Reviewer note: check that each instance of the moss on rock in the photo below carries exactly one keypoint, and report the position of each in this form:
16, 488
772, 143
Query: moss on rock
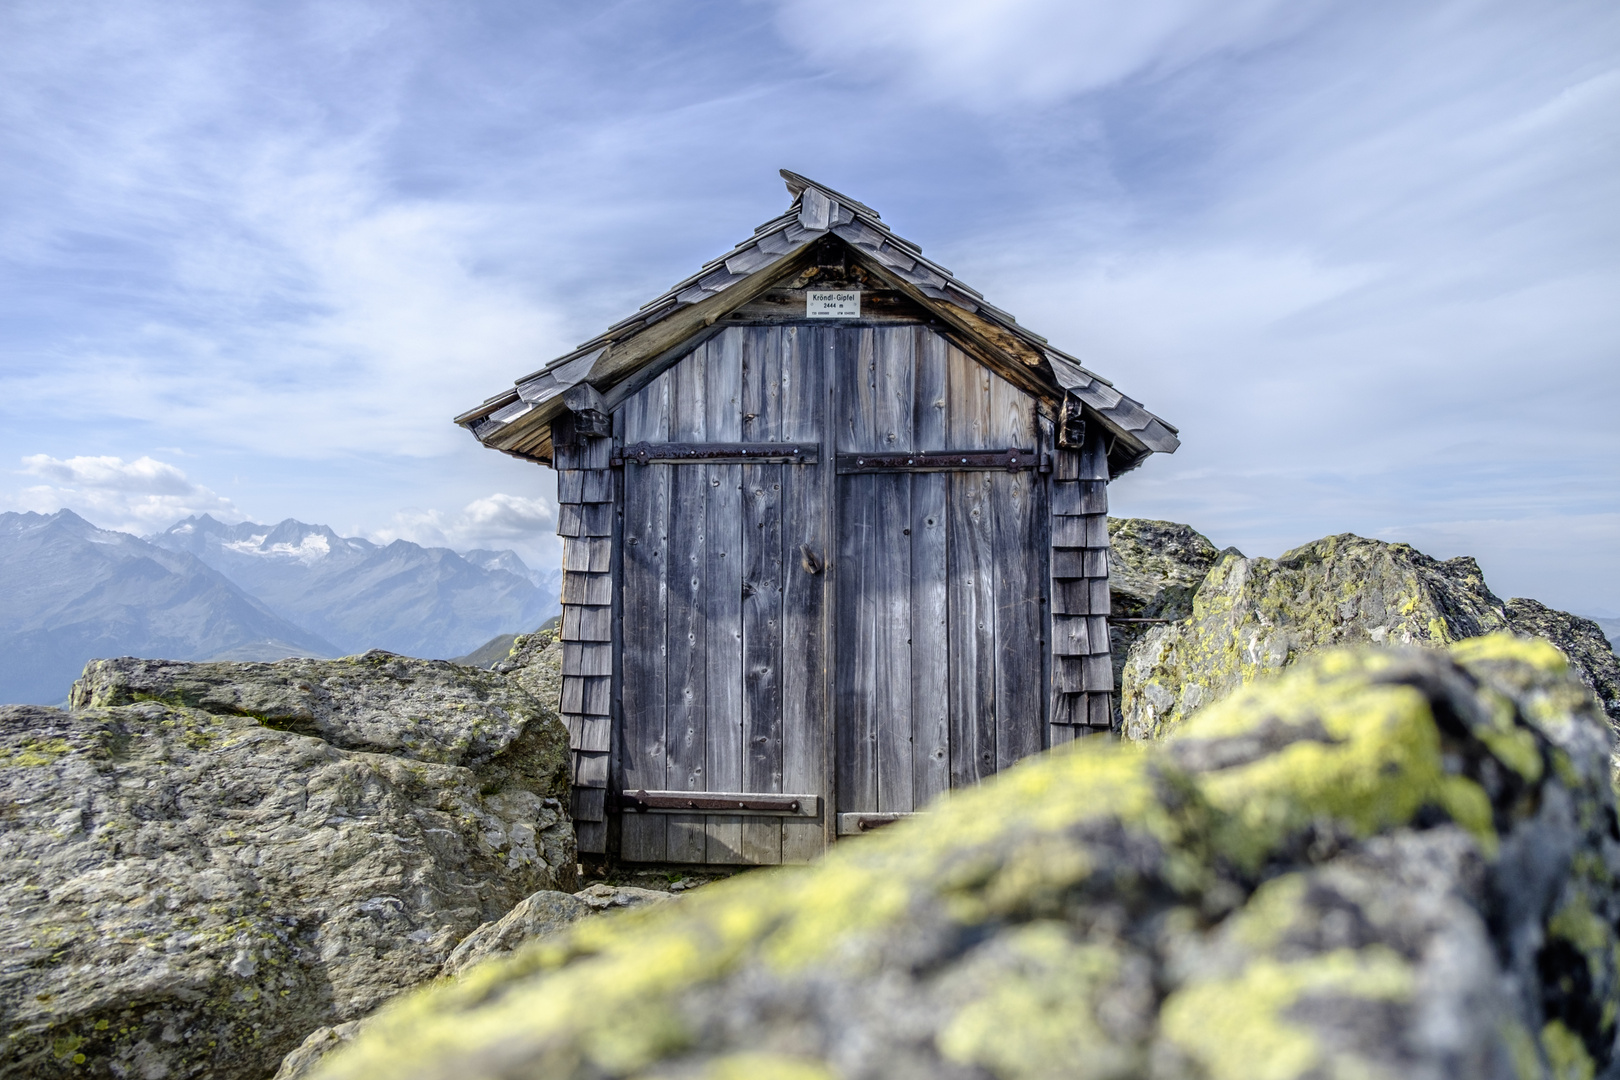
1396, 864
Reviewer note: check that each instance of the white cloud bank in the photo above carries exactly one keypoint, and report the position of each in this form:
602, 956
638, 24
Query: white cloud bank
140, 496
494, 521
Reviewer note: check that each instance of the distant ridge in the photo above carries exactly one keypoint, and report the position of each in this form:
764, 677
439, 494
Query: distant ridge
70, 592
403, 597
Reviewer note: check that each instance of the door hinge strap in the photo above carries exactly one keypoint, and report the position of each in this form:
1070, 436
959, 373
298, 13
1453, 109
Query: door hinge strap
644, 453
1012, 460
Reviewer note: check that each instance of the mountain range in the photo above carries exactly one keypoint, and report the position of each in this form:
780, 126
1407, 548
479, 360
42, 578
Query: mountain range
70, 592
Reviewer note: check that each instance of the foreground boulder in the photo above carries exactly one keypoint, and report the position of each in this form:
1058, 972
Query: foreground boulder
1253, 616
1390, 864
202, 863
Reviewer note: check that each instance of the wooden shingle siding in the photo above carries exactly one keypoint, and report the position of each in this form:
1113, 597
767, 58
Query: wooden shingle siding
1082, 673
586, 494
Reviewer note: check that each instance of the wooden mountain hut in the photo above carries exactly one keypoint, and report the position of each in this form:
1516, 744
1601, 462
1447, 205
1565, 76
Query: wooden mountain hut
834, 541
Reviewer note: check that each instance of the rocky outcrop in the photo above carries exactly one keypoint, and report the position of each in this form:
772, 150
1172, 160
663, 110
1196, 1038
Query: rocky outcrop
1392, 863
1590, 652
543, 913
424, 710
1254, 616
1154, 570
205, 862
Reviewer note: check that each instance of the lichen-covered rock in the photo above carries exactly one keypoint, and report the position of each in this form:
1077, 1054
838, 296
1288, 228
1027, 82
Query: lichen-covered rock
1400, 863
1254, 616
535, 665
189, 893
302, 1062
425, 710
535, 916
1154, 570
1591, 654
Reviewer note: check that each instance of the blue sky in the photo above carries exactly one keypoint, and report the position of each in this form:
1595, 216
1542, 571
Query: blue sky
1365, 253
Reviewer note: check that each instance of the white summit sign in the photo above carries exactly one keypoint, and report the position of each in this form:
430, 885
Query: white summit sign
833, 304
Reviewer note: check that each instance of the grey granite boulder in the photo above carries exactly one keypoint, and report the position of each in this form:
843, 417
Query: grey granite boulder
1381, 863
1251, 617
535, 916
204, 863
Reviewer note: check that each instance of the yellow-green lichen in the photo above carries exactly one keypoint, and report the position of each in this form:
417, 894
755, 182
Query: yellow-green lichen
33, 752
1037, 1020
1566, 1054
1238, 1028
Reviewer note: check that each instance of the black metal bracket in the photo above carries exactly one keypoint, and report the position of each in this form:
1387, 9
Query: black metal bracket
714, 802
1013, 460
717, 454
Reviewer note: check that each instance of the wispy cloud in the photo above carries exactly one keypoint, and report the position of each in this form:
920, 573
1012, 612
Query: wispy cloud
1362, 251
988, 57
140, 496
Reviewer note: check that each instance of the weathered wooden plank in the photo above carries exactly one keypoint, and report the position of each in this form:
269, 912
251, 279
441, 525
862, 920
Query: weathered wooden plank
971, 628
930, 597
587, 695
971, 559
592, 733
894, 367
589, 554
1099, 672
646, 586
1094, 497
1100, 600
1096, 563
1071, 597
856, 676
585, 519
1070, 708
686, 635
596, 485
581, 623
1070, 636
1100, 708
589, 804
1068, 498
887, 604
968, 416
570, 485
723, 594
587, 658
1045, 440
579, 587
1093, 460
762, 579
590, 837
1065, 465
1019, 504
596, 452
804, 545
1068, 563
1099, 633
1069, 674
590, 769
1070, 532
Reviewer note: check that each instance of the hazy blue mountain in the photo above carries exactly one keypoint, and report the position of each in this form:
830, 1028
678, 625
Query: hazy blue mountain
70, 592
1611, 630
401, 596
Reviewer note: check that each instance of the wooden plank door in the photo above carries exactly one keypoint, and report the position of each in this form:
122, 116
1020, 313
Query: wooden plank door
941, 577
723, 603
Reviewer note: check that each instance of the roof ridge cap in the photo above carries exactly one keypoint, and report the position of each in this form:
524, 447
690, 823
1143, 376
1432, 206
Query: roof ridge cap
796, 185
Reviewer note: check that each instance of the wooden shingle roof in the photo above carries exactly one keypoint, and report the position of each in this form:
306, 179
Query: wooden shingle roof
517, 421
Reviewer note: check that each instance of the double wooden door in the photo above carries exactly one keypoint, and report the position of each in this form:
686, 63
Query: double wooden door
815, 633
